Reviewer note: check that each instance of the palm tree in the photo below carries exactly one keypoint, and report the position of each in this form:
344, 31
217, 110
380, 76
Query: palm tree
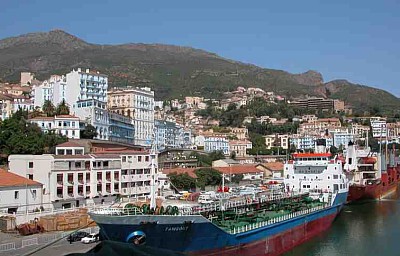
62, 108
48, 108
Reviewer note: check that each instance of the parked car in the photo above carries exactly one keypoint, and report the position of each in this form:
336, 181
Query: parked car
92, 238
173, 197
77, 236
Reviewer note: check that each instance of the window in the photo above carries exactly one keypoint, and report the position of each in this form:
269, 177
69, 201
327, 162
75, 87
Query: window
124, 159
60, 151
30, 176
335, 177
69, 151
78, 164
139, 158
34, 193
16, 194
78, 152
105, 164
147, 158
30, 164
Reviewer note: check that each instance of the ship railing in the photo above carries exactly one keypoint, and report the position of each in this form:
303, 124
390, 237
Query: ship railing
292, 215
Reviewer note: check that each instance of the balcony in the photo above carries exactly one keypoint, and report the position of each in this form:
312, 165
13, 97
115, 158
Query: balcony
60, 195
71, 194
80, 193
116, 190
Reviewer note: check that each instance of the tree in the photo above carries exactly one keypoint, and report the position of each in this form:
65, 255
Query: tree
17, 136
89, 132
182, 181
62, 108
237, 178
48, 108
207, 177
216, 155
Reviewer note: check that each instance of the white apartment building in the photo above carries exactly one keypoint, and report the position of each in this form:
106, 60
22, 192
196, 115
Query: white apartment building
216, 144
19, 194
378, 128
66, 125
93, 112
76, 179
84, 85
137, 103
54, 90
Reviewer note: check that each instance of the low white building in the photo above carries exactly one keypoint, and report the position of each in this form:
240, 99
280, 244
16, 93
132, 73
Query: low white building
66, 125
73, 178
214, 143
19, 194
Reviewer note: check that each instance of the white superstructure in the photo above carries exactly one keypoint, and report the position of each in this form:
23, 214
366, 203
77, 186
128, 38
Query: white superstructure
316, 173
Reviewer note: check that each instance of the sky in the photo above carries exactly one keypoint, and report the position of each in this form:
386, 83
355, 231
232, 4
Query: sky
356, 40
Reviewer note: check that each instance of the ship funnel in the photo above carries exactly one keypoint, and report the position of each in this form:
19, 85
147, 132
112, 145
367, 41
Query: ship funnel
320, 146
351, 157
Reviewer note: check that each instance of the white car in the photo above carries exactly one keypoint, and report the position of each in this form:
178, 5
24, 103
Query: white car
90, 239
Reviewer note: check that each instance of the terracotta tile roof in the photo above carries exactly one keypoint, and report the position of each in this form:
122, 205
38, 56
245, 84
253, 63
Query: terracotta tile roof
189, 171
238, 169
8, 179
69, 144
273, 166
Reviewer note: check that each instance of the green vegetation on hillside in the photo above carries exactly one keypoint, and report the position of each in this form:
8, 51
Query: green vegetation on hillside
172, 71
17, 136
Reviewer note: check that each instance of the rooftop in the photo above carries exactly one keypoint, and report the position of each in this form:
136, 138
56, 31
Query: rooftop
69, 144
8, 179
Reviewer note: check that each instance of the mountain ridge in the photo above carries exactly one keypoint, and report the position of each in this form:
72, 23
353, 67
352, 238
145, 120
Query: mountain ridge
172, 71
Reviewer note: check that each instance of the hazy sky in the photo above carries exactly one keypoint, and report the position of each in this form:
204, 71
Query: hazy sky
357, 40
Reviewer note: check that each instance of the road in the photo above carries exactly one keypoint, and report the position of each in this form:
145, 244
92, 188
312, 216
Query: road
63, 247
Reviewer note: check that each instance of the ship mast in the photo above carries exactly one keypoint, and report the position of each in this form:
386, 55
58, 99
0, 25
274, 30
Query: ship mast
153, 174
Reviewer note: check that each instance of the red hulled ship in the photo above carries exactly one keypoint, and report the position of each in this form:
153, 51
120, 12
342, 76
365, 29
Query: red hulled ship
370, 177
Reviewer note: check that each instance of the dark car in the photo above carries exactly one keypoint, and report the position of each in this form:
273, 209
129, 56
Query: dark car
77, 236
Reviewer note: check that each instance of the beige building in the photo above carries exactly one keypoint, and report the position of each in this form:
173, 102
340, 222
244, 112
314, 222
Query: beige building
138, 104
239, 147
277, 140
240, 133
193, 101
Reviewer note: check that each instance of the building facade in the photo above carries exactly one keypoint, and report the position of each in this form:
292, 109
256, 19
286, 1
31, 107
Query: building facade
75, 179
66, 125
138, 104
19, 194
216, 144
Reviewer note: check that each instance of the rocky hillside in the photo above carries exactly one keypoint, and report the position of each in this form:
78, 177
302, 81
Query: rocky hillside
172, 71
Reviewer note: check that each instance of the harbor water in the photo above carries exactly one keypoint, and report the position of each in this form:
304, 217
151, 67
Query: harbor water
368, 228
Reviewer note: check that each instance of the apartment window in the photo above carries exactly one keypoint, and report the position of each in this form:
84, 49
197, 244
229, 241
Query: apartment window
34, 193
99, 188
147, 158
70, 177
60, 151
59, 178
99, 176
78, 152
16, 194
30, 176
139, 158
73, 133
59, 192
30, 164
78, 164
124, 159
69, 151
59, 123
105, 164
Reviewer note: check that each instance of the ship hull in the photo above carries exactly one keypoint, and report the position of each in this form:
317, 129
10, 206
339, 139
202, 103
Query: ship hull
195, 235
387, 186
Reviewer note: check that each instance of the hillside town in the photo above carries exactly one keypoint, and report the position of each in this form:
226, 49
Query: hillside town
104, 135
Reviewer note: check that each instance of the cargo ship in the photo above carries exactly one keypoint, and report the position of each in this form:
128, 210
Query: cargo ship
369, 174
267, 223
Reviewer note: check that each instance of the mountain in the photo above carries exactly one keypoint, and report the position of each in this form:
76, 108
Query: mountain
172, 71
